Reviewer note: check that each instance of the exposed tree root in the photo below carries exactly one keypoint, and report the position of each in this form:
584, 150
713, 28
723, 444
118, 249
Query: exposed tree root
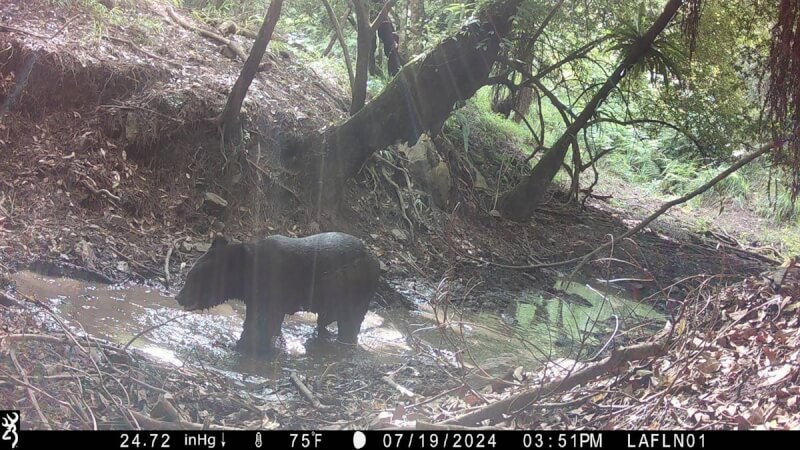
141, 50
209, 34
275, 181
403, 208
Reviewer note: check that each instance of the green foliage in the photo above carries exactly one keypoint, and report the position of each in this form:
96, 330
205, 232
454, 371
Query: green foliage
655, 169
782, 207
477, 125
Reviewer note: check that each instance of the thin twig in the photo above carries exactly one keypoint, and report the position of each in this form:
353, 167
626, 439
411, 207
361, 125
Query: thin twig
338, 34
153, 424
151, 328
18, 30
382, 15
13, 354
274, 180
622, 355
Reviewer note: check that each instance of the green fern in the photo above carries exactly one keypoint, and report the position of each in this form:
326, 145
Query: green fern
664, 58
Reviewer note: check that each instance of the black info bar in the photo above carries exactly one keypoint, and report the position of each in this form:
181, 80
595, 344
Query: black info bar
396, 439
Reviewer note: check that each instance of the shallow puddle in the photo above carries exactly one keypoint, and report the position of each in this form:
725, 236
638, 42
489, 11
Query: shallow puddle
531, 329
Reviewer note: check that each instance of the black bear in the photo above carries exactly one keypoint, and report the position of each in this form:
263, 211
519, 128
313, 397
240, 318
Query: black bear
331, 274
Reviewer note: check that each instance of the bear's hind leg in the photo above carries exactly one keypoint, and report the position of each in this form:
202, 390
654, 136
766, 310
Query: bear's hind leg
323, 320
350, 325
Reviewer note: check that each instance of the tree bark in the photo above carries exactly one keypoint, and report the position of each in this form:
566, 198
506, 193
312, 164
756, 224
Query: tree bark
418, 100
364, 44
520, 203
520, 99
230, 119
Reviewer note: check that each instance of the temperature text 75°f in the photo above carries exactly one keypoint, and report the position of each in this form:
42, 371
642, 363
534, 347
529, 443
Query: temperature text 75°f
306, 440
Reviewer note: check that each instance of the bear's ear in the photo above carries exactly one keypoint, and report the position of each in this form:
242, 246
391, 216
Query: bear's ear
219, 241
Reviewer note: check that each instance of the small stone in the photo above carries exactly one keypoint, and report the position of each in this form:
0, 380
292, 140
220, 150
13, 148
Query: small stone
210, 197
202, 247
400, 235
214, 204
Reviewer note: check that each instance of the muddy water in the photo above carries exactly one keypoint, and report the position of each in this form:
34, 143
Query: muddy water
532, 328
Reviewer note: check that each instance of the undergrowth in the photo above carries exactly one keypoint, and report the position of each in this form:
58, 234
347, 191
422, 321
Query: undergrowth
124, 14
476, 125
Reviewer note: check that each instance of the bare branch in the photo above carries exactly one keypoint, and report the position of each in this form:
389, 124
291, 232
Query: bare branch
338, 33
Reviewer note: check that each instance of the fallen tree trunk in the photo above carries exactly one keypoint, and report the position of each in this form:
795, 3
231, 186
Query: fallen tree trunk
588, 373
419, 99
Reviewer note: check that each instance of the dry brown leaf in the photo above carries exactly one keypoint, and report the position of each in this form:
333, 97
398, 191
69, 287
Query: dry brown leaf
775, 375
709, 367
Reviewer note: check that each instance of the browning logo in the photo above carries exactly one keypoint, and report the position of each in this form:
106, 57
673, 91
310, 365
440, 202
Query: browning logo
9, 420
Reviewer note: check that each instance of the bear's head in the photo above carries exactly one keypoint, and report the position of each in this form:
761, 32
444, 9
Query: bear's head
209, 281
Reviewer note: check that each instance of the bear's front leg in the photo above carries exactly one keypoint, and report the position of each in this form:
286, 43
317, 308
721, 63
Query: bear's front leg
261, 326
248, 340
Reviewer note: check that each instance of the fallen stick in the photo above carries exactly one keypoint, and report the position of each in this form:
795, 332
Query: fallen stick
305, 391
46, 423
149, 423
29, 33
668, 205
164, 409
68, 334
582, 260
403, 390
166, 263
57, 340
435, 426
151, 328
127, 258
35, 389
144, 384
6, 28
430, 399
588, 373
105, 192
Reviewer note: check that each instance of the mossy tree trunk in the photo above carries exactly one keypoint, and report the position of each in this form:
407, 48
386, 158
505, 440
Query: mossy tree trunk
418, 100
